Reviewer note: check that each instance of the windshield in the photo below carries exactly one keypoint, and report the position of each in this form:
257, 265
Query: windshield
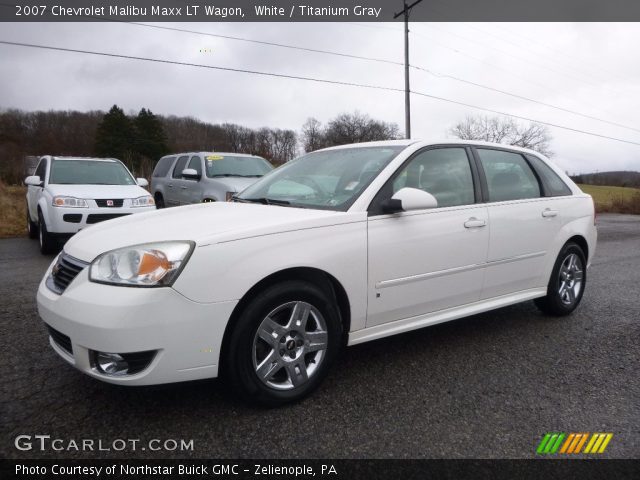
89, 172
236, 166
329, 180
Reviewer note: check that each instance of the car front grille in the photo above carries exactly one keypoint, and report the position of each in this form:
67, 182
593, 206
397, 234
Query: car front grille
101, 217
64, 271
110, 203
60, 339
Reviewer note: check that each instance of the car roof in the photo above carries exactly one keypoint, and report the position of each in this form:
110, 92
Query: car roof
429, 142
226, 154
91, 159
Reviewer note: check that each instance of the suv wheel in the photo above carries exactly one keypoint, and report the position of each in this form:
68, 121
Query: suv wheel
47, 242
32, 227
566, 286
283, 344
159, 201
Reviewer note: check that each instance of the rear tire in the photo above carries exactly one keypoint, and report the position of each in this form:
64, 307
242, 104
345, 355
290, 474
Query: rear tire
47, 242
159, 201
32, 227
283, 344
567, 282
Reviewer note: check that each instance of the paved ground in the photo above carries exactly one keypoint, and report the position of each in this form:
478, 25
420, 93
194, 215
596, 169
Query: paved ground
487, 386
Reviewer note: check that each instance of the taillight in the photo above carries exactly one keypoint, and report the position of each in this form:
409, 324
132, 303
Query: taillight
595, 213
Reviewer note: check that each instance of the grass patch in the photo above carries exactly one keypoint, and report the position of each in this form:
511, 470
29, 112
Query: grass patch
614, 199
13, 211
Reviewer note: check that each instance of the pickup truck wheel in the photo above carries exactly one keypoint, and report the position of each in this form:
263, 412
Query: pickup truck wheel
566, 286
47, 242
32, 227
283, 344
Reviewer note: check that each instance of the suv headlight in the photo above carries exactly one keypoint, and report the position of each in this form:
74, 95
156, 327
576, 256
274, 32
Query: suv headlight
69, 202
146, 201
146, 265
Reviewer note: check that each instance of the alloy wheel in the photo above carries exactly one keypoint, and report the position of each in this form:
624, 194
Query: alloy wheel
290, 345
570, 279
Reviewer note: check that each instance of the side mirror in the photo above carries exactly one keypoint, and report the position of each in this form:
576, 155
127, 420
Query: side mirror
142, 182
407, 199
190, 174
33, 181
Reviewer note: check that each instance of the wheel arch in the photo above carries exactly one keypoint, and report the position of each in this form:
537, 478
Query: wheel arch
318, 277
581, 242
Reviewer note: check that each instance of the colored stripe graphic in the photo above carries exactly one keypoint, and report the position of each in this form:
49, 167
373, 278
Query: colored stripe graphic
572, 443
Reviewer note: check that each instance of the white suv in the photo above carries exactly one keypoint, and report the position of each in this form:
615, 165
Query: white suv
68, 194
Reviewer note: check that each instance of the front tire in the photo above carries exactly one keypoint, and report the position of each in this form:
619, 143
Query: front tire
159, 201
47, 242
567, 282
283, 344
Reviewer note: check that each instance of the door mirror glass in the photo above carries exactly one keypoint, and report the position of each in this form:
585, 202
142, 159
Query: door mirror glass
190, 174
142, 182
33, 180
407, 199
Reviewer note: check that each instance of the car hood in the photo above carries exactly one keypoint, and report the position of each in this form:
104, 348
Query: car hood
97, 191
236, 184
204, 223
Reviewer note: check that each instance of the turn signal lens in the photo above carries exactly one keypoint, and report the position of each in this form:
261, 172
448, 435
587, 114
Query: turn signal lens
146, 201
148, 265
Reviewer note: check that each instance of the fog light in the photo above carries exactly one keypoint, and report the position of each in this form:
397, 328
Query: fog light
111, 364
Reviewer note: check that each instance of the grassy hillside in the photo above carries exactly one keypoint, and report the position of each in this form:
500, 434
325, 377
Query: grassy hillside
614, 199
13, 211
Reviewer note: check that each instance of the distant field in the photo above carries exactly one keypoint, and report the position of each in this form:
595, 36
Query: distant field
13, 211
611, 199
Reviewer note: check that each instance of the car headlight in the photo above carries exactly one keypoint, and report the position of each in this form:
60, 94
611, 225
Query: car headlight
146, 201
146, 265
69, 202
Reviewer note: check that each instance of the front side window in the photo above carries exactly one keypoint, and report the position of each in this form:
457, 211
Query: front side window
41, 171
509, 177
218, 165
445, 173
180, 166
89, 172
329, 180
195, 164
553, 184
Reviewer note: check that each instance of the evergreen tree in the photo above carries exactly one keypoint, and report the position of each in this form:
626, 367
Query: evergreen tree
151, 141
114, 136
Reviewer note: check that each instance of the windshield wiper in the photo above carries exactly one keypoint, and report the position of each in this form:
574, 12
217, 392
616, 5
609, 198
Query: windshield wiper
263, 200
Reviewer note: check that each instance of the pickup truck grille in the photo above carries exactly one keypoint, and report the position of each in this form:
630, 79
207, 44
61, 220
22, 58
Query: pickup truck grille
64, 271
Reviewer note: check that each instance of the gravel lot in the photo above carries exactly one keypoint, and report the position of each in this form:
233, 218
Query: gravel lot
488, 386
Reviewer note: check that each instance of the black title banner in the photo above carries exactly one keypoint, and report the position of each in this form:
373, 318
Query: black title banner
319, 469
317, 10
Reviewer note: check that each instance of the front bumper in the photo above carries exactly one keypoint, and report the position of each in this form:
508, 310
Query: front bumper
65, 220
186, 335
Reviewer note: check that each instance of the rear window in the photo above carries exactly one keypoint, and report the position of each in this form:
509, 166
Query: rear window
163, 166
553, 184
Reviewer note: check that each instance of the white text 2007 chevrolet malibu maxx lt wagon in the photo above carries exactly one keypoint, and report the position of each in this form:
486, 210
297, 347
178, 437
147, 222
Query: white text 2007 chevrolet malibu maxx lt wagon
343, 245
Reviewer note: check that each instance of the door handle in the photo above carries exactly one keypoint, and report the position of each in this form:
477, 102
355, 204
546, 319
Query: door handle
170, 185
473, 222
183, 188
547, 212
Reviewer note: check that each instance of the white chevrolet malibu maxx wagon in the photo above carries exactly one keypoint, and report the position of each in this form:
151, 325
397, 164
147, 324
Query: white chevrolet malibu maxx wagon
341, 246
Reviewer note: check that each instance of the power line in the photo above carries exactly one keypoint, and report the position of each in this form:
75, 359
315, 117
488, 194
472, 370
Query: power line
312, 79
381, 60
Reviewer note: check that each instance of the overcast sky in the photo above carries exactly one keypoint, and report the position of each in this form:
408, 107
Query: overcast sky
590, 68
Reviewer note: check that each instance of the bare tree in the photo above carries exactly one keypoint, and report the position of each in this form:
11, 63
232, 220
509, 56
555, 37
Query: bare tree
312, 135
504, 130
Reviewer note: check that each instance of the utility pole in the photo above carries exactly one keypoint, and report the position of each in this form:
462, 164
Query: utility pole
407, 90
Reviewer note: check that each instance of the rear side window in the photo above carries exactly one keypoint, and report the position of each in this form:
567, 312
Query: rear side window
41, 171
509, 176
163, 166
180, 165
553, 184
